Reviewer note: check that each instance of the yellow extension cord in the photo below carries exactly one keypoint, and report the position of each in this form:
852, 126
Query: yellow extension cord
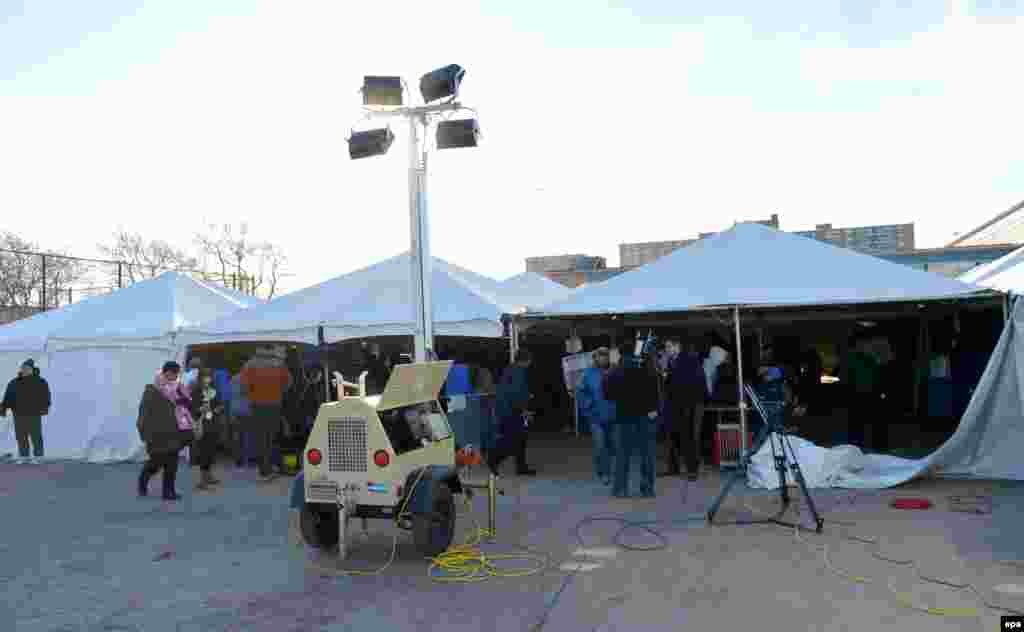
464, 563
904, 599
468, 563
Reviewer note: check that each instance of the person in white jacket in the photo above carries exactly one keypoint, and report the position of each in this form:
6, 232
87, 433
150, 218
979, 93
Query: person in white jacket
717, 356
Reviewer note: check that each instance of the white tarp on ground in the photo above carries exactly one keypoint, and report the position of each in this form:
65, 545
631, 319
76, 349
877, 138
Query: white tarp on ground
1005, 274
373, 301
987, 443
530, 290
753, 265
98, 355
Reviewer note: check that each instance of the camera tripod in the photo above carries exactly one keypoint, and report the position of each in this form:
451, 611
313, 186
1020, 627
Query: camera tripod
773, 431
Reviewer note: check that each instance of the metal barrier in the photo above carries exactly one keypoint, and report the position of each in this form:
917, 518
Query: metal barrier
472, 419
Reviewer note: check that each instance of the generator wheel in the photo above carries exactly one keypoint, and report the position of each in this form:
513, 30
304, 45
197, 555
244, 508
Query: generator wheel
433, 532
319, 526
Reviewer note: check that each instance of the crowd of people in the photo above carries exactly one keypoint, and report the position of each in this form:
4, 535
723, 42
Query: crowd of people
268, 406
188, 409
626, 400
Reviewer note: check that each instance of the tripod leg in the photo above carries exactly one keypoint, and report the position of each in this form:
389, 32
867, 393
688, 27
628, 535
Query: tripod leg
741, 471
780, 467
799, 475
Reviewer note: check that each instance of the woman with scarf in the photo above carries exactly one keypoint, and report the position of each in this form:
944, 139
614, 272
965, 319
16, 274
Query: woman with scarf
206, 410
165, 426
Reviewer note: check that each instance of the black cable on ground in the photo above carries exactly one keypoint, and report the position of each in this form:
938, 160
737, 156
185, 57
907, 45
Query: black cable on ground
627, 524
648, 526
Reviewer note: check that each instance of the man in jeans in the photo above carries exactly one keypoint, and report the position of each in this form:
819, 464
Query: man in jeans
28, 397
238, 420
633, 385
599, 413
265, 380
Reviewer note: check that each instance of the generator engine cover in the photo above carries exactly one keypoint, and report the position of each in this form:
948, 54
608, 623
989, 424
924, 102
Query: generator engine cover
414, 383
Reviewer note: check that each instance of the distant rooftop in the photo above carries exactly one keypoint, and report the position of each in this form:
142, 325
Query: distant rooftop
1007, 227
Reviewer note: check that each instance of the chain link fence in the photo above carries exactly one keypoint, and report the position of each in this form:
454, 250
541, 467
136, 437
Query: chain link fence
33, 282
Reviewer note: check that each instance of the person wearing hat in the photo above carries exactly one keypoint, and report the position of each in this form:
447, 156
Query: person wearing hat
165, 427
599, 413
28, 397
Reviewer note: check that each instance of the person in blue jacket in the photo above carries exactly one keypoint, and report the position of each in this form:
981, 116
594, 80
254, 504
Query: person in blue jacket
511, 408
599, 413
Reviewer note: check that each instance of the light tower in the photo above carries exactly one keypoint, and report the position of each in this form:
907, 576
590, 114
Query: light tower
385, 97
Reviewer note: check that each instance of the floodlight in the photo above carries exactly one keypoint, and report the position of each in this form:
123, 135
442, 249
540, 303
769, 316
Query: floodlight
458, 133
441, 83
382, 91
374, 142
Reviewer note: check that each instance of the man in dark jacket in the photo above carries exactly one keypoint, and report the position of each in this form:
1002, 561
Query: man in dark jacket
685, 393
634, 389
28, 397
377, 370
511, 409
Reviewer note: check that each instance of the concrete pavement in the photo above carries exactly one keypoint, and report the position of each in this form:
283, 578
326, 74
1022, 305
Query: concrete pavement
81, 552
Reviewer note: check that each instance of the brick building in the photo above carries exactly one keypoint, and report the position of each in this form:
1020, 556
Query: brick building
892, 242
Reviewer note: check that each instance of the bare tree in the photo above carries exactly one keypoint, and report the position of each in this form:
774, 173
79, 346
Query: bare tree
18, 278
24, 276
248, 264
146, 259
271, 264
217, 244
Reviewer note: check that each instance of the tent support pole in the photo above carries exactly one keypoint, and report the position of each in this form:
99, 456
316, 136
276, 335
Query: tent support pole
739, 383
922, 365
325, 362
513, 341
1006, 307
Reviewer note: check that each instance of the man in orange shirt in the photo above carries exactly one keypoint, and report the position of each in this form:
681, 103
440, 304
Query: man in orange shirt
265, 380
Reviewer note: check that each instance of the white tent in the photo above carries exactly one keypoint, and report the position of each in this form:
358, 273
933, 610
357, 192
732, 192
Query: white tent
98, 354
373, 301
530, 290
756, 266
987, 443
1005, 274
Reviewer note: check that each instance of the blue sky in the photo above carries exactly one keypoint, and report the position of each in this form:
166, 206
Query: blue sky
604, 122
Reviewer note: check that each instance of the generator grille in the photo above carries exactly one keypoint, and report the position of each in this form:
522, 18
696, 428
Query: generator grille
322, 492
346, 445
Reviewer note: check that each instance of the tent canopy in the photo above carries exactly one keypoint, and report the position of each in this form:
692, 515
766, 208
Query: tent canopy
373, 301
145, 311
99, 354
531, 290
756, 266
1005, 274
